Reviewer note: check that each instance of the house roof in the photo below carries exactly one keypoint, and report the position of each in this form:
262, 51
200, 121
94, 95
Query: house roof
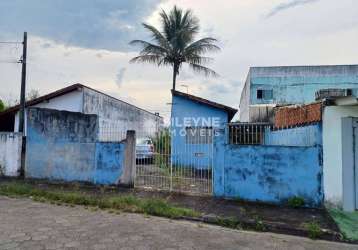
58, 93
231, 111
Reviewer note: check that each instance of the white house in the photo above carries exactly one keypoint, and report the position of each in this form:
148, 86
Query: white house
115, 116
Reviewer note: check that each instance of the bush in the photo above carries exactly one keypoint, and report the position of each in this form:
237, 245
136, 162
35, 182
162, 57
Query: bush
296, 202
314, 230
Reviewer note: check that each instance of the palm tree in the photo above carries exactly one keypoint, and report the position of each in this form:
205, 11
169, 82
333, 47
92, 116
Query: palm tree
175, 45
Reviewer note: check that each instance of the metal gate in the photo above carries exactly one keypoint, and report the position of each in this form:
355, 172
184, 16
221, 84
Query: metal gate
178, 162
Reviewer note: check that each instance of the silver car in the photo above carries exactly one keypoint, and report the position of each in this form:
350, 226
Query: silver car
144, 150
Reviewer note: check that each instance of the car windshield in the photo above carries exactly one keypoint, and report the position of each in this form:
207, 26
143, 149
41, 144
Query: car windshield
143, 141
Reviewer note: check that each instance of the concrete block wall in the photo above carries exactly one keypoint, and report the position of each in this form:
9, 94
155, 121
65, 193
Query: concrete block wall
264, 173
10, 153
63, 145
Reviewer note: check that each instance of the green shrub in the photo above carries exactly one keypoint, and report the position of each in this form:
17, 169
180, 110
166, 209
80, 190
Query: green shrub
296, 202
314, 230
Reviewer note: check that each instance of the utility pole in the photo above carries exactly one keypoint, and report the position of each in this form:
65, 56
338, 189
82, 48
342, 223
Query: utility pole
22, 105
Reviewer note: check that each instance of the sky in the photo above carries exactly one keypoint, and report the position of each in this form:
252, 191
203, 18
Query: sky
86, 41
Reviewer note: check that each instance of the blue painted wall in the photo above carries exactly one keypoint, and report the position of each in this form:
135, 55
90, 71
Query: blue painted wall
310, 135
109, 162
197, 156
298, 84
63, 145
267, 173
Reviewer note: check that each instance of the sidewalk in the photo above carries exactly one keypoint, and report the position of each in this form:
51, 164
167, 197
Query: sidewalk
228, 213
32, 225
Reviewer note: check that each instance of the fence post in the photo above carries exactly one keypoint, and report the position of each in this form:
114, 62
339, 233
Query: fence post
128, 176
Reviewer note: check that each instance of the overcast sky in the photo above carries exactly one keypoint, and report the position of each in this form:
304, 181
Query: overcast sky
86, 41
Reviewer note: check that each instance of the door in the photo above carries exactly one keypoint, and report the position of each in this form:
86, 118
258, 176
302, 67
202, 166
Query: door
350, 163
355, 153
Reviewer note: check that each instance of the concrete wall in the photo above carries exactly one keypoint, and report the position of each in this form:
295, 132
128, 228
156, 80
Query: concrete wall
118, 115
63, 145
310, 135
267, 173
184, 114
72, 101
245, 101
332, 150
10, 153
109, 162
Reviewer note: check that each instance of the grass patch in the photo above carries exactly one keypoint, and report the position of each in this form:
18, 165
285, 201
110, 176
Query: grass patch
314, 230
347, 223
126, 203
230, 222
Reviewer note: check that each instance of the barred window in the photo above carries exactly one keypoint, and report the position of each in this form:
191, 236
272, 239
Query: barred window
199, 135
246, 134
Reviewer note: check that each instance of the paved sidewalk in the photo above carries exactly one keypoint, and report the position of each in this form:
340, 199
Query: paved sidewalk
25, 224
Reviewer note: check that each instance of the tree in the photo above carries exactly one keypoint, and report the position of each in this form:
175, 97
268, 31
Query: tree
2, 106
175, 44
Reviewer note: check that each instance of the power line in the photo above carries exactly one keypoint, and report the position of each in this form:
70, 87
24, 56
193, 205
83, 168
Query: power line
4, 61
10, 42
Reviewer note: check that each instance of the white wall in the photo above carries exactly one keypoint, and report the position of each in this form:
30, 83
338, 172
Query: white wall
332, 150
245, 101
72, 101
10, 153
116, 116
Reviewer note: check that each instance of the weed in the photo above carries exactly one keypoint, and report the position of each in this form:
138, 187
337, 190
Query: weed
314, 230
296, 202
259, 225
125, 203
230, 222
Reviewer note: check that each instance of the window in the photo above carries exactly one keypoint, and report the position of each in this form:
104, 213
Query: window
266, 94
199, 135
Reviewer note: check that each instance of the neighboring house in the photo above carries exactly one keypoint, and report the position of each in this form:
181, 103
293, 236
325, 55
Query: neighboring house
115, 116
192, 122
340, 151
267, 87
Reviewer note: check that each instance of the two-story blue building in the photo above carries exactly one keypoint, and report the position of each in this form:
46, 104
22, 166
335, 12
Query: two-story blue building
267, 87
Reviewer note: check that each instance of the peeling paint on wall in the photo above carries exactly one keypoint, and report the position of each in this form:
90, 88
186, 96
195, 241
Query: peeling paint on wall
267, 173
118, 114
10, 153
63, 145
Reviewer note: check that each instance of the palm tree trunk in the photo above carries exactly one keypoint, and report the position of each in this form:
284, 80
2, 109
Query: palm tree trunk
174, 75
